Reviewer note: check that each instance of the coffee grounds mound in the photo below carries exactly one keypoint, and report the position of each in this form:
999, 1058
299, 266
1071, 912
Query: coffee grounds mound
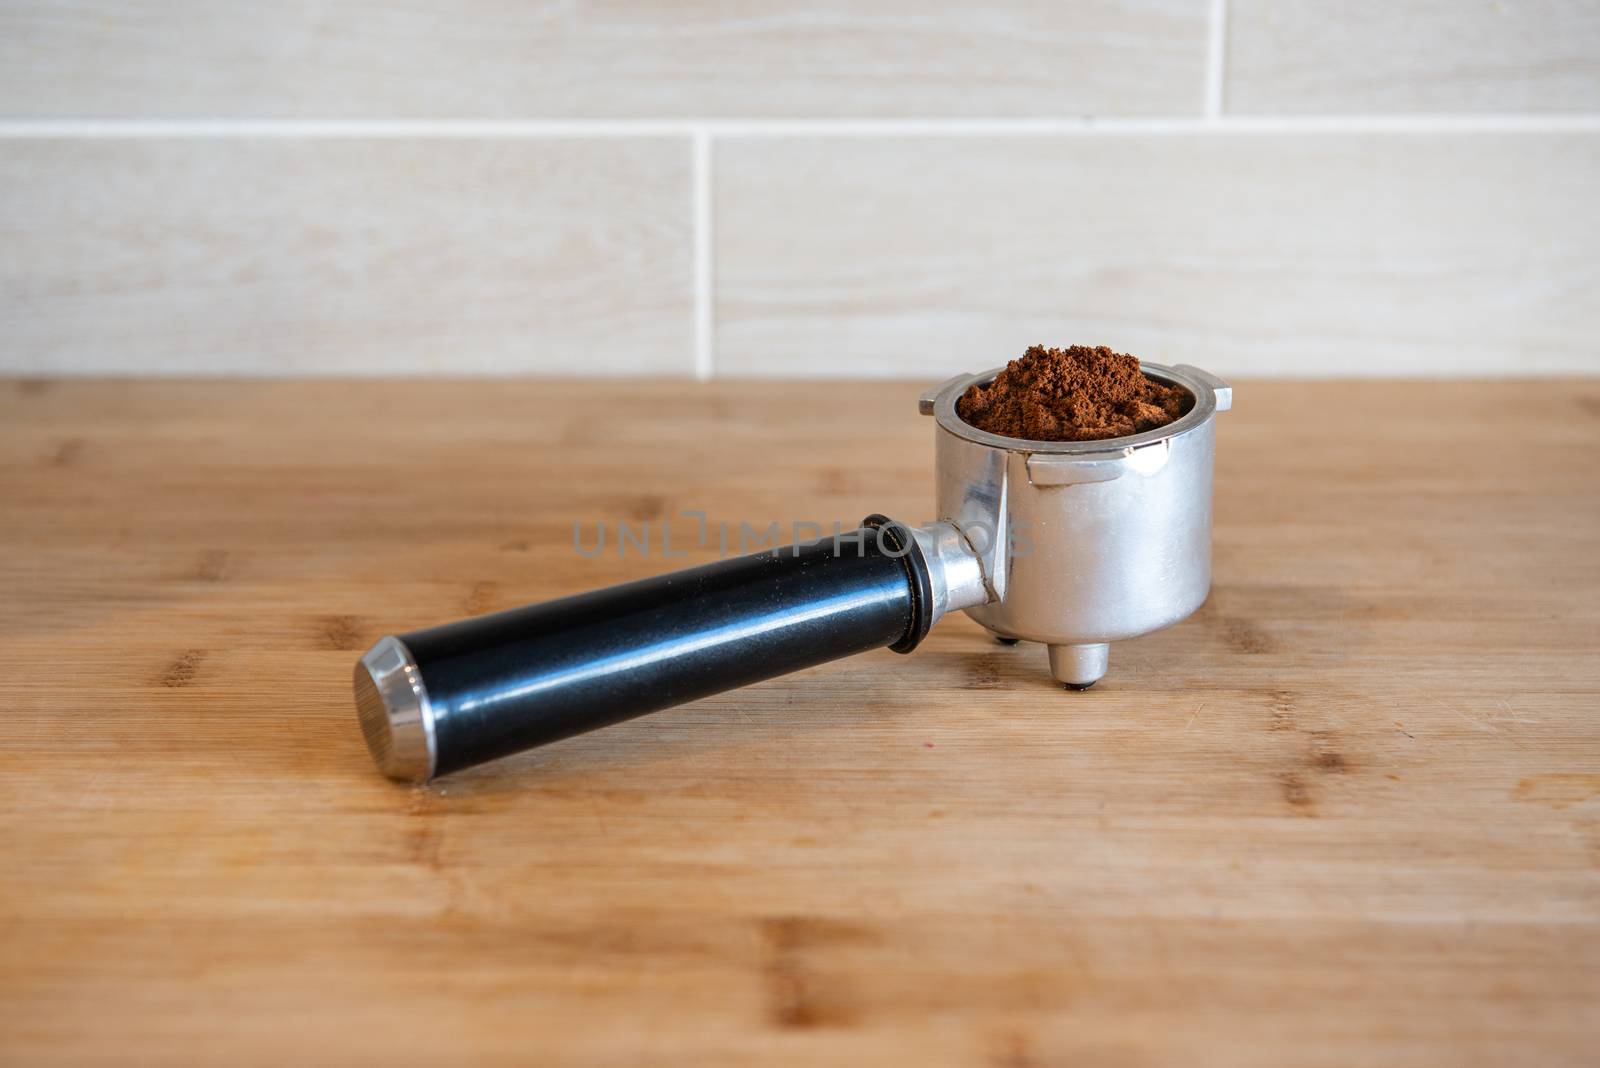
1075, 394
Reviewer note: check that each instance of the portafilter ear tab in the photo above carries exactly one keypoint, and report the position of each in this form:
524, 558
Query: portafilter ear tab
1083, 543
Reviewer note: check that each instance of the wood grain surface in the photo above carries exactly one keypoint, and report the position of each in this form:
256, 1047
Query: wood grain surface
1347, 813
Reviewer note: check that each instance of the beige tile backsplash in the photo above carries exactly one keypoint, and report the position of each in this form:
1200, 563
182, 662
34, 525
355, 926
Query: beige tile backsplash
1267, 187
513, 59
1308, 56
1260, 254
347, 256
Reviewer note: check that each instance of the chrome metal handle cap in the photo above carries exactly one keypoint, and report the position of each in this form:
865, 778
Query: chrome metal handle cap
396, 719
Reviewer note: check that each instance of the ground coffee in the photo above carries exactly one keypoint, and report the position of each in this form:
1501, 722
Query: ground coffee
1076, 394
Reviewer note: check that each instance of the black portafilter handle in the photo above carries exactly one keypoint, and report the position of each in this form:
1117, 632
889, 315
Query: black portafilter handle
438, 700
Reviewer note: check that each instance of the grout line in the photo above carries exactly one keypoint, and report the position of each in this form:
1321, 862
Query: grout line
46, 129
704, 339
1216, 58
343, 128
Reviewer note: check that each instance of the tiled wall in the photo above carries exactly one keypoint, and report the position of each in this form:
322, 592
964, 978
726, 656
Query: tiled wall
872, 187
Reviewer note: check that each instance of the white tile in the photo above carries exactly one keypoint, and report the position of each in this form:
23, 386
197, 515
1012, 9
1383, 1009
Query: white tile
503, 59
284, 256
1251, 254
1297, 56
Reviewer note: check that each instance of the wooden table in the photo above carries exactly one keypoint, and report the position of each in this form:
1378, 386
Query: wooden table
1348, 812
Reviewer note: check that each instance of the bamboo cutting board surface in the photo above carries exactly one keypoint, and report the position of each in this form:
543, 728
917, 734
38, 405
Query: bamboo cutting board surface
1348, 812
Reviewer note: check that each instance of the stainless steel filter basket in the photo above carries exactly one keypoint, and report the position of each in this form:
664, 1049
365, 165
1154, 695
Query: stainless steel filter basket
1083, 543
